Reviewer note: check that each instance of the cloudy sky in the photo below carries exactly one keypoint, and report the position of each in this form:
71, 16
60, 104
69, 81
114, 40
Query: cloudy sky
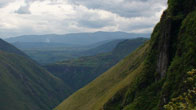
23, 17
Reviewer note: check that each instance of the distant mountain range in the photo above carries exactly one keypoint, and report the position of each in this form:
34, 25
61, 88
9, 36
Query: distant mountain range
45, 53
54, 48
76, 38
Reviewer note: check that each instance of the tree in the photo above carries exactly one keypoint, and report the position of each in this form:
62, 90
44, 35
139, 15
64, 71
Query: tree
187, 100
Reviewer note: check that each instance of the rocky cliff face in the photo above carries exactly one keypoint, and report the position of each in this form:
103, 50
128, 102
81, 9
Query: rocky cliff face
169, 28
167, 62
164, 45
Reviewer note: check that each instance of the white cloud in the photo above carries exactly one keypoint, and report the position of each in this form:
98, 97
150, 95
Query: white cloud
59, 16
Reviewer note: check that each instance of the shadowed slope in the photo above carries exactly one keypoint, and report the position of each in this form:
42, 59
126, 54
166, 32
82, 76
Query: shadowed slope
26, 86
96, 94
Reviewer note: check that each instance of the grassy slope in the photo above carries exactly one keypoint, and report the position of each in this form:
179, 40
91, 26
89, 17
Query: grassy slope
26, 86
79, 72
159, 75
105, 86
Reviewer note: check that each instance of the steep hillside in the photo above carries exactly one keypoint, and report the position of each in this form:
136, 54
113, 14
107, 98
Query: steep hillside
6, 47
26, 86
79, 72
151, 76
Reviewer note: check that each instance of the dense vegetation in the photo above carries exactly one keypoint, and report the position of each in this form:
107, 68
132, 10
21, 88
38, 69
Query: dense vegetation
79, 72
153, 75
24, 85
187, 100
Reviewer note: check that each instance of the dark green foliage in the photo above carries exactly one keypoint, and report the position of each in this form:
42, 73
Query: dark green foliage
187, 100
180, 7
185, 56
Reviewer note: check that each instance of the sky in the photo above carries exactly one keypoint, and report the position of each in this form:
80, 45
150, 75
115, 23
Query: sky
26, 17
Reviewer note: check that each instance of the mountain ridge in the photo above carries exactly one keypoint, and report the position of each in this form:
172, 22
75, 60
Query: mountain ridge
76, 38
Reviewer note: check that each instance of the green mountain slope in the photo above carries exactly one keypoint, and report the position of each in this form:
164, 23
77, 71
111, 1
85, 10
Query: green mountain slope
104, 87
79, 72
106, 47
6, 47
26, 86
151, 76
